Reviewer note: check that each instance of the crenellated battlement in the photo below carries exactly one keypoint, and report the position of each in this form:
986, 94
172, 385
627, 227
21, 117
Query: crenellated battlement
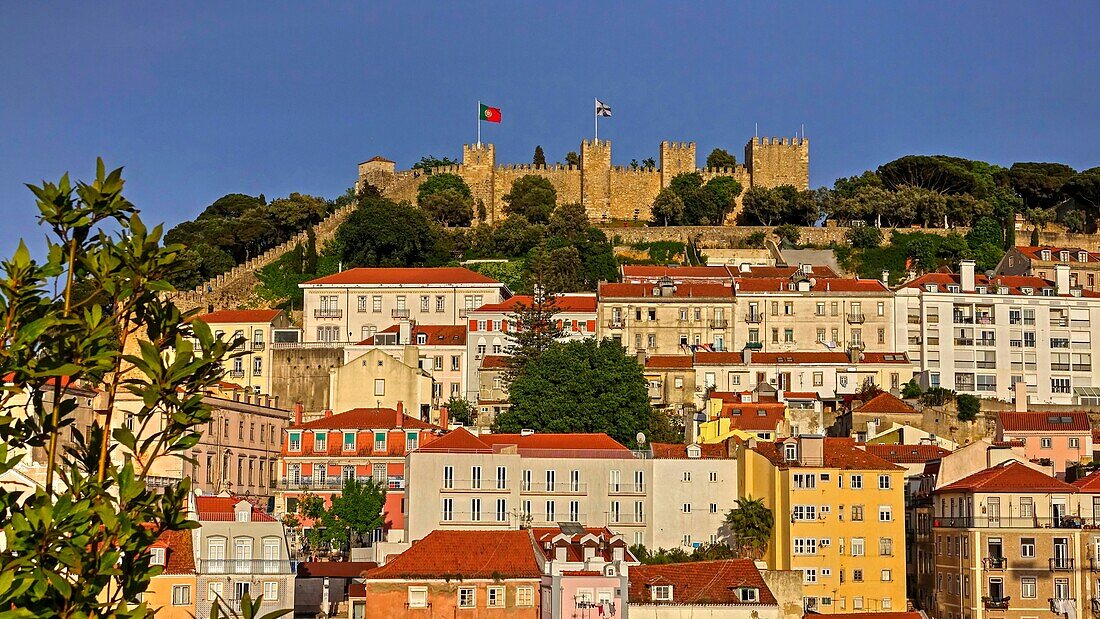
734, 171
774, 141
679, 145
632, 170
595, 143
530, 167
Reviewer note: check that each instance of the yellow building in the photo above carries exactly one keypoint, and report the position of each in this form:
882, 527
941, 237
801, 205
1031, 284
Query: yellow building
376, 379
839, 519
253, 369
172, 592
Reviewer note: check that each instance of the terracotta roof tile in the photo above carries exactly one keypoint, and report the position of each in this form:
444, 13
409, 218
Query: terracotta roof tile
240, 316
1076, 421
1010, 476
787, 271
700, 582
494, 362
1034, 252
678, 451
179, 554
819, 284
466, 555
223, 508
410, 276
907, 454
1089, 484
568, 303
365, 419
462, 440
668, 362
1014, 283
605, 539
437, 335
682, 291
886, 402
649, 273
840, 453
797, 358
754, 416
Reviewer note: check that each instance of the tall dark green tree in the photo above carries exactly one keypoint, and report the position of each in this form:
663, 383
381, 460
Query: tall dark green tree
534, 327
539, 160
579, 386
721, 158
572, 159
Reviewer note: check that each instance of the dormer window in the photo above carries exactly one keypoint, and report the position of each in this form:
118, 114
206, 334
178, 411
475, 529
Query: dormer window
981, 289
320, 441
1045, 254
748, 594
694, 451
295, 443
1082, 256
790, 452
244, 515
662, 593
157, 556
1002, 289
1026, 290
1048, 292
929, 287
952, 288
349, 441
1063, 256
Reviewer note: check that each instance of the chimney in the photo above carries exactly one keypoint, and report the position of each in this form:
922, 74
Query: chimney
886, 278
853, 355
1019, 396
640, 354
444, 418
404, 332
966, 275
746, 355
1061, 279
328, 412
400, 408
400, 416
911, 275
298, 411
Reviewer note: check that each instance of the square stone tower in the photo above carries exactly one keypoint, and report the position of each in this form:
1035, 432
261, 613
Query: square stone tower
779, 161
676, 158
478, 164
596, 179
377, 171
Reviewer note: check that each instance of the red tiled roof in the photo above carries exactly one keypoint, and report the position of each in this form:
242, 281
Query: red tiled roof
668, 362
754, 416
365, 419
223, 508
840, 453
1076, 421
1014, 283
1034, 252
606, 538
883, 615
796, 358
464, 555
651, 273
1010, 476
907, 454
234, 316
801, 395
494, 362
379, 158
678, 451
682, 291
411, 276
700, 582
334, 569
462, 440
787, 271
179, 554
1089, 484
569, 303
819, 284
438, 335
886, 402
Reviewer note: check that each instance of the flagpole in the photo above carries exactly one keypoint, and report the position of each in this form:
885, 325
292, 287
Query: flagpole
596, 114
479, 123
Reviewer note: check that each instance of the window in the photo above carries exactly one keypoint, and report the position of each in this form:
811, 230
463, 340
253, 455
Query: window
885, 513
440, 303
809, 575
805, 481
295, 441
271, 590
475, 477
380, 386
686, 508
502, 478
214, 591
467, 597
551, 516
1027, 547
1027, 507
448, 510
525, 596
418, 597
181, 595
1045, 443
790, 452
379, 441
748, 594
376, 303
157, 556
494, 597
475, 510
886, 576
804, 512
885, 547
819, 379
820, 309
883, 482
662, 593
714, 508
1028, 587
857, 547
857, 575
448, 477
805, 546
687, 476
1074, 443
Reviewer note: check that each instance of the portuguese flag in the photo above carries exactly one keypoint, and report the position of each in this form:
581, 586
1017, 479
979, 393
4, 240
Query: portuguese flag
489, 114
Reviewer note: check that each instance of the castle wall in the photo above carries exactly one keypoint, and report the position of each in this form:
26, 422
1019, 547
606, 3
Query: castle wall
565, 179
632, 193
779, 161
596, 179
676, 158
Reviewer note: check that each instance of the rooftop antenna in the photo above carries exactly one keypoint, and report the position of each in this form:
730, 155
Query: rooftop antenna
803, 131
756, 131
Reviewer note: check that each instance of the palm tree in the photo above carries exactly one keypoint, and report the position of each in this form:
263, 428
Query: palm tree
751, 523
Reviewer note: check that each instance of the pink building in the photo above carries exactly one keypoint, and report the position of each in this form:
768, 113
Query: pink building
586, 571
1059, 437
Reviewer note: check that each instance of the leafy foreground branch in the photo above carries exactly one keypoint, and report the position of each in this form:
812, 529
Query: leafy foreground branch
93, 313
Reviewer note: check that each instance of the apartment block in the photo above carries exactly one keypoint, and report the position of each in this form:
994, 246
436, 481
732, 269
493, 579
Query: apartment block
1040, 261
352, 305
667, 318
257, 327
839, 519
981, 335
1059, 439
508, 481
440, 351
829, 374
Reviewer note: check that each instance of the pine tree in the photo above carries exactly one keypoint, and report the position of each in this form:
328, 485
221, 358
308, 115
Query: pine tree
540, 158
534, 328
309, 260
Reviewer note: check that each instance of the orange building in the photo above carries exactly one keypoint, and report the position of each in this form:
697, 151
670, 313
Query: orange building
172, 592
363, 443
456, 574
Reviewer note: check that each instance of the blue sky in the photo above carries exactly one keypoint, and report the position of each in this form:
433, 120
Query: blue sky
199, 100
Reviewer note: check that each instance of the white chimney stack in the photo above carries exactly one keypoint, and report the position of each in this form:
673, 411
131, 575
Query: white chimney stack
1061, 279
1019, 396
966, 275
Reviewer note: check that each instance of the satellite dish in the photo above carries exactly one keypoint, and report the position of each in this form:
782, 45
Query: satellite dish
640, 438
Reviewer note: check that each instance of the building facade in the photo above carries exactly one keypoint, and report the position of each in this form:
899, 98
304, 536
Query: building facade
1039, 261
257, 327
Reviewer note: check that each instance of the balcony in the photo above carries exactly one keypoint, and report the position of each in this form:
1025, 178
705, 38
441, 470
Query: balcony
626, 488
614, 519
399, 313
245, 566
154, 481
328, 313
331, 482
557, 488
616, 323
1014, 522
856, 319
754, 317
257, 346
986, 341
962, 319
995, 563
985, 319
964, 341
718, 323
236, 373
995, 603
1061, 564
257, 371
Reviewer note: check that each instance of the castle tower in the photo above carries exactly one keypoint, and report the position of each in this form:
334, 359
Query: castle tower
779, 161
478, 164
377, 171
596, 179
676, 158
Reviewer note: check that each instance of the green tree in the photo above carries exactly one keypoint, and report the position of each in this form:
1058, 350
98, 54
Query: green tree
939, 173
864, 237
231, 205
968, 406
667, 208
649, 163
1039, 185
354, 513
515, 236
911, 390
535, 329
1075, 221
568, 221
789, 234
579, 386
429, 163
203, 263
381, 233
438, 183
532, 196
725, 190
572, 159
561, 268
78, 546
763, 206
309, 253
539, 160
721, 158
448, 207
750, 524
460, 410
1039, 218
1084, 189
